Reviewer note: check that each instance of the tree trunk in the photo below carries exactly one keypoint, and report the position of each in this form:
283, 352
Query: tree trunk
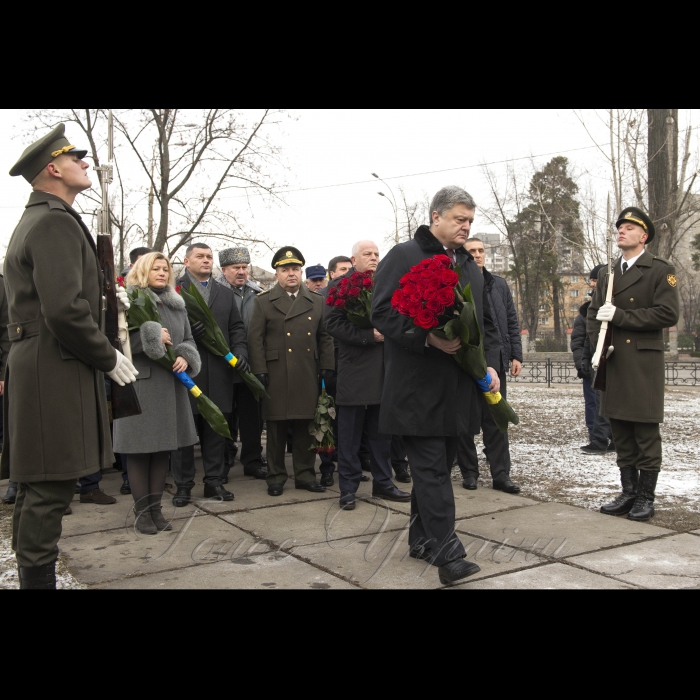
662, 125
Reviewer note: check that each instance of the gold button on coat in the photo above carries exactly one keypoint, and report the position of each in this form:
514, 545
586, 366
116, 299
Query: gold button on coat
308, 334
309, 318
627, 341
288, 334
290, 349
631, 298
308, 349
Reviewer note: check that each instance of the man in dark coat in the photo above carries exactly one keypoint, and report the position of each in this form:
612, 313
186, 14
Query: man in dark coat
56, 423
359, 391
598, 426
495, 442
286, 337
427, 398
247, 410
644, 302
11, 494
216, 378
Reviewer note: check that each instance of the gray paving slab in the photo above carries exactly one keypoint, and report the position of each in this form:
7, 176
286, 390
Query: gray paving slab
695, 532
670, 562
467, 503
318, 521
382, 561
558, 530
269, 572
547, 577
102, 556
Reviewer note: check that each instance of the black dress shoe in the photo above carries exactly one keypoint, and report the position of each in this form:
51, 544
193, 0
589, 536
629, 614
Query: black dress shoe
591, 449
456, 570
391, 494
364, 477
182, 497
326, 480
312, 486
275, 489
263, 461
217, 492
347, 501
508, 486
365, 464
469, 482
11, 495
125, 488
402, 475
256, 471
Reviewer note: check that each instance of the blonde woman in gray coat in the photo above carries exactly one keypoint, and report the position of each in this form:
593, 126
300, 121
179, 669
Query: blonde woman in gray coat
166, 422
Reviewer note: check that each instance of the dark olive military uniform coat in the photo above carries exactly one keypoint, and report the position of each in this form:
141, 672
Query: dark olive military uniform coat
56, 423
646, 298
285, 339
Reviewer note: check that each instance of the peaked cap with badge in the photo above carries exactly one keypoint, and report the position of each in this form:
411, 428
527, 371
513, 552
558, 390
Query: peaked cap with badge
39, 154
289, 255
637, 216
234, 256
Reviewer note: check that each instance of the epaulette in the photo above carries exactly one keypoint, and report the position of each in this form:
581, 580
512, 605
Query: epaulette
663, 260
53, 204
266, 291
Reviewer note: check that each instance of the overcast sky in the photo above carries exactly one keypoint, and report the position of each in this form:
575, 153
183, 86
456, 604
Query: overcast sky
333, 147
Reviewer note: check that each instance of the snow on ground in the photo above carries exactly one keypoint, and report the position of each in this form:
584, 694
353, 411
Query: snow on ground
549, 466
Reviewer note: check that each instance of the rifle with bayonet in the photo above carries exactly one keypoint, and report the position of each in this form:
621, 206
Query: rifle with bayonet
604, 347
125, 402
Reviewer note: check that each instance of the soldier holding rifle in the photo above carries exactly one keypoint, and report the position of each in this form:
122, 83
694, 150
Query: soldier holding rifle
56, 422
644, 301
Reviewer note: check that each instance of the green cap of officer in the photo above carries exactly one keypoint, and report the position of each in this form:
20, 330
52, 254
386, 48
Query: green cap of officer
37, 156
289, 255
638, 217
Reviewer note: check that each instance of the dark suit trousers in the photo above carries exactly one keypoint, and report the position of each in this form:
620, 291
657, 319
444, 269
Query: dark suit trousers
496, 445
432, 499
213, 448
637, 445
303, 458
353, 423
36, 522
249, 424
398, 453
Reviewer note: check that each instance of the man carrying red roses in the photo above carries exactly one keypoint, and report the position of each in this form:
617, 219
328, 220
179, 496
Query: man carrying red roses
427, 398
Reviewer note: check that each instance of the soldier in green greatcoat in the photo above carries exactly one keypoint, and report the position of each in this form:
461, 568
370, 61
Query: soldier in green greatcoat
644, 302
286, 338
55, 410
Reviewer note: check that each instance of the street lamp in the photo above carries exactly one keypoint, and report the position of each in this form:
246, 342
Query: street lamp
391, 201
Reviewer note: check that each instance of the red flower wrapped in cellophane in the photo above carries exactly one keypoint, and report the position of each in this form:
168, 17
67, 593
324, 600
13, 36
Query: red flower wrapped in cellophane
430, 295
353, 295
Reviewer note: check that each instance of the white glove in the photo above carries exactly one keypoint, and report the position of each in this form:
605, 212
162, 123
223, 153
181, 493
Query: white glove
124, 372
606, 312
123, 299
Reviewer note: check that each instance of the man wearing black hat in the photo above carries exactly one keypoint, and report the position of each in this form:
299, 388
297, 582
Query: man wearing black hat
286, 337
644, 302
598, 426
56, 423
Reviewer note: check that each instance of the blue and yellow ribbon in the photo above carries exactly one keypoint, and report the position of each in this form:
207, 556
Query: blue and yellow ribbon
187, 381
231, 359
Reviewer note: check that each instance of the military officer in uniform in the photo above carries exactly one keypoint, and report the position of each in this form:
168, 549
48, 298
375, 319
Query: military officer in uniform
644, 302
286, 337
56, 424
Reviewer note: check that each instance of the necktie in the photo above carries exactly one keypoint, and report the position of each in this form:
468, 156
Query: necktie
624, 267
452, 255
292, 296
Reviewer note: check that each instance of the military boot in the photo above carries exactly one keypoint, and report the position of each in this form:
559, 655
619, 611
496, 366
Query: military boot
38, 578
644, 503
624, 502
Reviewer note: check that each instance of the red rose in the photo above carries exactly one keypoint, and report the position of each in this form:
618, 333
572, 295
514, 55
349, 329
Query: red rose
354, 292
397, 298
435, 306
444, 260
449, 278
414, 308
342, 291
426, 319
446, 296
345, 282
121, 281
409, 289
178, 288
367, 283
339, 303
417, 295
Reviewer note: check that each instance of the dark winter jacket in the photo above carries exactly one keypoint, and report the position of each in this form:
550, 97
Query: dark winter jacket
505, 318
580, 342
425, 392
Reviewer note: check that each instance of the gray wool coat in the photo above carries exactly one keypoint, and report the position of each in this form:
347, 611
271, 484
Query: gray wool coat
166, 421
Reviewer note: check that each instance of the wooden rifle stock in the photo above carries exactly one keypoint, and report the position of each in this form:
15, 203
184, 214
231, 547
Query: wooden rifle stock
125, 402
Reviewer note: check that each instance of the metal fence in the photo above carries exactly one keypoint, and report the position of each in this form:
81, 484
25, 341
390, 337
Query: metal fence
560, 372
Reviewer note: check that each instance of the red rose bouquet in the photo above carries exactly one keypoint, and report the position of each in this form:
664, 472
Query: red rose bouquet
353, 295
430, 295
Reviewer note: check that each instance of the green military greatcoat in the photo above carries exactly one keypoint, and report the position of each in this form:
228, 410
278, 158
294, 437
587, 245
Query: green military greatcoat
56, 422
647, 301
285, 339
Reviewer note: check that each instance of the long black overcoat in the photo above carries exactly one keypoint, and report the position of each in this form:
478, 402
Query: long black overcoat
56, 422
360, 359
217, 377
646, 297
425, 391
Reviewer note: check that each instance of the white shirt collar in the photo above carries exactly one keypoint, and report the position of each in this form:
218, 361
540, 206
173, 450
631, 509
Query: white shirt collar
631, 261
